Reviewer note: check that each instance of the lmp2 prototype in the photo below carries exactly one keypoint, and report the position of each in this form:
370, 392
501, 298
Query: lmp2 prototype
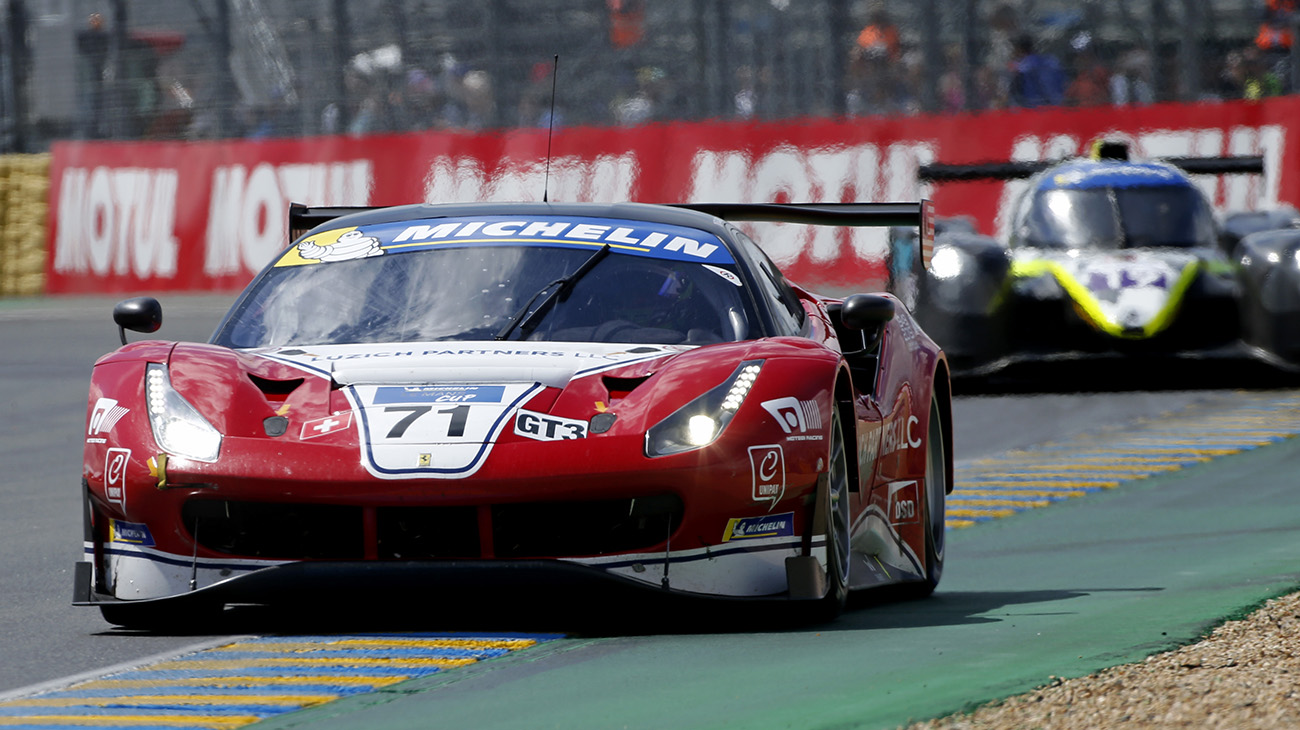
1114, 258
434, 395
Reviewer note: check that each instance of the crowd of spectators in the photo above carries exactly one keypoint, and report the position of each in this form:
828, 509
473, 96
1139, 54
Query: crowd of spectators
1016, 65
1018, 71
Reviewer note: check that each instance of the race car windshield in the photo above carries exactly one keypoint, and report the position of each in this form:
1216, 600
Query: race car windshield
1117, 218
471, 293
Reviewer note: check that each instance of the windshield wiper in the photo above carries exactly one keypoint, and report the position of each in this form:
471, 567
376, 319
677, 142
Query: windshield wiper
527, 319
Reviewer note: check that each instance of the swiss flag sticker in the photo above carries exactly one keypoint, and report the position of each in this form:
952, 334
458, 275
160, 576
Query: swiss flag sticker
328, 424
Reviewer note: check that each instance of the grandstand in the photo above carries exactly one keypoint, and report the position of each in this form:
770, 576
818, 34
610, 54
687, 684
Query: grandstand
147, 69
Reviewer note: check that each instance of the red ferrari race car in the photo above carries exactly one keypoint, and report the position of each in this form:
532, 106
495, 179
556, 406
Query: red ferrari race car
433, 395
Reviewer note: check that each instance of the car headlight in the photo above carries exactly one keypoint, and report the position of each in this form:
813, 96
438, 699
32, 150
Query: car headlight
700, 422
177, 426
946, 263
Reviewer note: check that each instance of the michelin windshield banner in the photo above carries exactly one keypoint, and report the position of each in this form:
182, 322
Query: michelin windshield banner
206, 216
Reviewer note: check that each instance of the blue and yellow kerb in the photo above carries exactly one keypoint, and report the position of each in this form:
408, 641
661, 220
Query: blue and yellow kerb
241, 683
1003, 485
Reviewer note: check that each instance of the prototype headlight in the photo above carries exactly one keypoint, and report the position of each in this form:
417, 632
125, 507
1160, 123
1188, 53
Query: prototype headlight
946, 263
700, 422
177, 427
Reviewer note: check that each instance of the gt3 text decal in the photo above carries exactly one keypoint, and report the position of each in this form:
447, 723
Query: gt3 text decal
106, 414
115, 462
796, 417
902, 503
545, 427
768, 465
328, 424
751, 528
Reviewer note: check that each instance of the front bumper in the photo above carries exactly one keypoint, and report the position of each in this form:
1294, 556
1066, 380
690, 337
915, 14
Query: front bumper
685, 575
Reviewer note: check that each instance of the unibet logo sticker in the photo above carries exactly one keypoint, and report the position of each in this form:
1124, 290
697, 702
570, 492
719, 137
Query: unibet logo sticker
767, 463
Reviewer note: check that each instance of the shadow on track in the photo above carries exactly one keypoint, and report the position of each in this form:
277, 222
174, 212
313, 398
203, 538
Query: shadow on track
611, 613
1126, 374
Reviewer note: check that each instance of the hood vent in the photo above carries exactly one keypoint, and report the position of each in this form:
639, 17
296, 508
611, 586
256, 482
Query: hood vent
619, 388
275, 390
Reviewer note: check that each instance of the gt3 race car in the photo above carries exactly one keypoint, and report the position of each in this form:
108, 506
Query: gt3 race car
1111, 257
429, 396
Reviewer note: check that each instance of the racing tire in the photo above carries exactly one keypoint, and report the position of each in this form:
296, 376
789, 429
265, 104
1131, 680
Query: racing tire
936, 487
835, 508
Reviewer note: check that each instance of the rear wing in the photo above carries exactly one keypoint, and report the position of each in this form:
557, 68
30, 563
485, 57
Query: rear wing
919, 214
1250, 165
303, 218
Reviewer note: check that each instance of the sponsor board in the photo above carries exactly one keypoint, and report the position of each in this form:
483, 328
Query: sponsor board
209, 215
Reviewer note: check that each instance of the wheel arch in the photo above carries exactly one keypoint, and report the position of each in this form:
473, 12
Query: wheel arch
843, 405
941, 388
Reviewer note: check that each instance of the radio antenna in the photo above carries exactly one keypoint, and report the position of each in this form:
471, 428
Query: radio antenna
550, 128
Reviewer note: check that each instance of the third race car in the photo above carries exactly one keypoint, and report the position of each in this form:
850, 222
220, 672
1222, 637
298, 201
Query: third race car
1112, 257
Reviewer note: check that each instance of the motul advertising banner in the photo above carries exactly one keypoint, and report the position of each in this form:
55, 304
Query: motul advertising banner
171, 216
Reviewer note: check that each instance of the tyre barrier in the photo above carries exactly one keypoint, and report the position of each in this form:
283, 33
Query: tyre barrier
24, 201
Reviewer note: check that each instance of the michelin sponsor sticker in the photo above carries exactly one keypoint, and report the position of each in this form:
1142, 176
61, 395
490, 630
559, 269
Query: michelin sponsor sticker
635, 237
752, 528
133, 533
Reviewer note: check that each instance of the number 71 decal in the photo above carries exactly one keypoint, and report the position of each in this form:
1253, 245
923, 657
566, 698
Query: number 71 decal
439, 431
455, 429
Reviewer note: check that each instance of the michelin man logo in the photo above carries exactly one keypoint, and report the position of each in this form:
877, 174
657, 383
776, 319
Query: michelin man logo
351, 245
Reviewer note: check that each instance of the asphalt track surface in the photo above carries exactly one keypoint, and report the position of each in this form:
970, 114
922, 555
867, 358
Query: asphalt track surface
1061, 591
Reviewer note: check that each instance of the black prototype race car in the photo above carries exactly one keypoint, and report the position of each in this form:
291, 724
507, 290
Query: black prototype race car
1111, 260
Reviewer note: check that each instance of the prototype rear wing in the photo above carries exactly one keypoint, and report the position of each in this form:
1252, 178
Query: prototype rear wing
1250, 165
303, 218
919, 214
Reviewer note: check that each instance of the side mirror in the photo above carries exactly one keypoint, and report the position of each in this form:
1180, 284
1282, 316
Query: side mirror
866, 311
140, 314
